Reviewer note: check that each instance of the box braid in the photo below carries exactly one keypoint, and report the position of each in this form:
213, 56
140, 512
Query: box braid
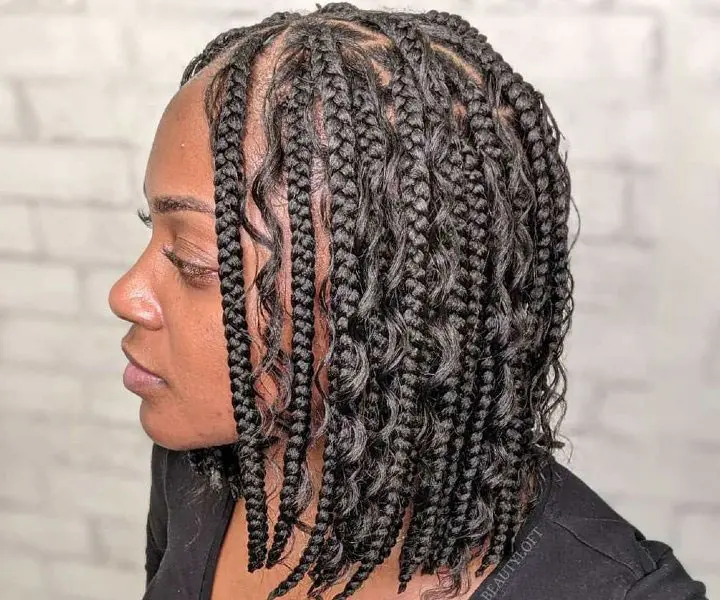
472, 211
540, 137
326, 67
499, 323
370, 235
298, 157
532, 115
448, 231
214, 462
415, 196
513, 430
230, 198
445, 169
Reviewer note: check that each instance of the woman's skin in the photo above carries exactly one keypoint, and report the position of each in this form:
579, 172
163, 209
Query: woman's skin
177, 332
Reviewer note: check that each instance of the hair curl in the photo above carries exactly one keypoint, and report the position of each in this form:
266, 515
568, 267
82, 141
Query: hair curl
449, 289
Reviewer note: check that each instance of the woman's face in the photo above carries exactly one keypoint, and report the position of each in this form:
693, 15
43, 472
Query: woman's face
175, 310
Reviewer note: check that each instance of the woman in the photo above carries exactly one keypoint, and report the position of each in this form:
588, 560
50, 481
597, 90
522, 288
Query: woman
352, 374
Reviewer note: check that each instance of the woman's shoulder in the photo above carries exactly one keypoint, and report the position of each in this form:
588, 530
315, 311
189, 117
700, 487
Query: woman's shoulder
575, 544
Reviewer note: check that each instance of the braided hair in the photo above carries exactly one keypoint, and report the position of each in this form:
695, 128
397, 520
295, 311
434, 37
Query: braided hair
447, 299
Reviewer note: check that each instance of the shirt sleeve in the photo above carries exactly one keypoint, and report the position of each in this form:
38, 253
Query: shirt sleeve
669, 581
156, 527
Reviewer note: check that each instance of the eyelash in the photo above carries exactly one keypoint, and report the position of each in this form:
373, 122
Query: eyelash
189, 271
144, 216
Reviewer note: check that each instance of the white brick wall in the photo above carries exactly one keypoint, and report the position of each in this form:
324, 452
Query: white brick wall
59, 46
66, 173
16, 228
635, 87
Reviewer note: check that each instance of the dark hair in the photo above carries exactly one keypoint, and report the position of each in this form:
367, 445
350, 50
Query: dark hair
449, 288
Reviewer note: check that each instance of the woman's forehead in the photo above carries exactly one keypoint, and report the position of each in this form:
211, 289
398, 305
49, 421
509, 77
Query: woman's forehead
181, 155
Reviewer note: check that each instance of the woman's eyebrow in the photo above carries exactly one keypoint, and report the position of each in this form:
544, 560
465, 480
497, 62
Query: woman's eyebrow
167, 204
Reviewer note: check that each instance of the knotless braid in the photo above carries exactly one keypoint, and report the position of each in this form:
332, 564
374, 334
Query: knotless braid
464, 311
230, 201
326, 67
298, 158
526, 105
481, 136
448, 291
368, 476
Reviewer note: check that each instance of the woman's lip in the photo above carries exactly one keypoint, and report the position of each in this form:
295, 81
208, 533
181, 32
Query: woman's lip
132, 361
136, 379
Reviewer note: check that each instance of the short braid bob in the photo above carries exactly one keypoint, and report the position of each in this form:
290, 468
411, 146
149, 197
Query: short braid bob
447, 299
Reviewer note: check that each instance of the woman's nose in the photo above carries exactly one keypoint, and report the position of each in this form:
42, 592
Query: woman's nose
132, 298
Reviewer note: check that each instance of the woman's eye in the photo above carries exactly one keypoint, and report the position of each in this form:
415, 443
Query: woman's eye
193, 273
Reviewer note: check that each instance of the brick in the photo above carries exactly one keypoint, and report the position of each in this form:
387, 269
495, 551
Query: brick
41, 6
36, 46
103, 494
75, 443
121, 543
608, 346
16, 594
98, 445
69, 173
703, 49
96, 111
645, 206
45, 534
25, 390
86, 347
599, 195
574, 47
126, 10
613, 279
38, 287
106, 399
712, 356
703, 135
95, 582
583, 395
20, 572
9, 125
665, 471
652, 414
22, 483
609, 122
90, 235
96, 289
16, 228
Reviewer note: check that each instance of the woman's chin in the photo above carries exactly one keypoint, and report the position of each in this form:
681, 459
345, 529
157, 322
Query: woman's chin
175, 433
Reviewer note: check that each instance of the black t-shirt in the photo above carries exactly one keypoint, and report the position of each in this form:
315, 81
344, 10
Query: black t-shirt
572, 546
